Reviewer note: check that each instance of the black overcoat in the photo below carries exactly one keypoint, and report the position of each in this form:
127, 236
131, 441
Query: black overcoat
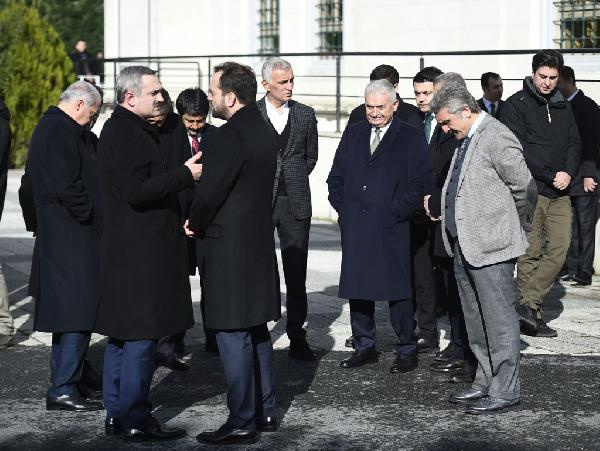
375, 195
231, 212
69, 222
145, 289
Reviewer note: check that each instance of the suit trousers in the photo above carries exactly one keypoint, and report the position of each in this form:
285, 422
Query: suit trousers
580, 258
128, 370
488, 302
247, 358
293, 240
67, 358
422, 237
6, 319
538, 267
362, 320
459, 339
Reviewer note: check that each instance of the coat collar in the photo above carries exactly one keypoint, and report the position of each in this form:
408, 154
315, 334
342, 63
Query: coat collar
386, 141
123, 113
56, 111
556, 100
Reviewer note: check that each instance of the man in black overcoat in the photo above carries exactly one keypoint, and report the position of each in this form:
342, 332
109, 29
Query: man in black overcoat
68, 212
231, 213
144, 285
584, 187
378, 179
7, 330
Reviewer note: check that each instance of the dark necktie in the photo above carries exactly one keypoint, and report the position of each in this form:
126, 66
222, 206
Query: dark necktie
195, 145
463, 147
493, 109
427, 125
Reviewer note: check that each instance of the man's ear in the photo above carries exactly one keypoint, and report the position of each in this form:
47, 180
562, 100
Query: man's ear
230, 99
466, 112
265, 84
130, 98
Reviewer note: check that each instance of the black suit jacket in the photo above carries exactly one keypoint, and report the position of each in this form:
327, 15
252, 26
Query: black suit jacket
498, 110
587, 117
232, 213
406, 113
299, 157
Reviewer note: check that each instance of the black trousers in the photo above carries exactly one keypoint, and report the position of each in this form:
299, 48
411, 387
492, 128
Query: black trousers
362, 320
293, 240
247, 358
422, 238
580, 258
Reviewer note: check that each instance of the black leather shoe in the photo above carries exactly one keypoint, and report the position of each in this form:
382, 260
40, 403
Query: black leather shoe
173, 362
581, 280
404, 363
226, 435
300, 350
467, 396
267, 424
527, 320
74, 403
89, 393
445, 354
113, 426
465, 375
152, 431
491, 405
360, 358
427, 345
450, 366
349, 342
545, 331
565, 276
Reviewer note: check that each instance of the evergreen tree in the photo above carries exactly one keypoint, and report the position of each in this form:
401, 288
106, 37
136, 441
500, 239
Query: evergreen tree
34, 70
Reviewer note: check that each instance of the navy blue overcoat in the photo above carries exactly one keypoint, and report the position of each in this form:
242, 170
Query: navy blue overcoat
375, 195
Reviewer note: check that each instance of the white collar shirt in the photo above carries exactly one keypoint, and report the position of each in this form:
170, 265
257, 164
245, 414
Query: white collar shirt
278, 117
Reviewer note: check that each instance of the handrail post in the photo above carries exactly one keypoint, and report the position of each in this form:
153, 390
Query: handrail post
115, 81
421, 63
209, 71
338, 94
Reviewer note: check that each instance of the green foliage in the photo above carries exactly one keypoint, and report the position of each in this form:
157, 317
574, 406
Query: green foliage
34, 70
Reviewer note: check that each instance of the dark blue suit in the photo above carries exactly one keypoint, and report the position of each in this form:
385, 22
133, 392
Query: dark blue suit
375, 195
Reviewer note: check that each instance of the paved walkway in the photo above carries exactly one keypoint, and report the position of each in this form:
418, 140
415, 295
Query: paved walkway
322, 406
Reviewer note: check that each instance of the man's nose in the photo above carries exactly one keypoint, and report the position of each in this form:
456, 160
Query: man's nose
159, 97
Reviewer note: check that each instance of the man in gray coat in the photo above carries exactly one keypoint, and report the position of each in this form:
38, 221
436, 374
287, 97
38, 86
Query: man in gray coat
487, 202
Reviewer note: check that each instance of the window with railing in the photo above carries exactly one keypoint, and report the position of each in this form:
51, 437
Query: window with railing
579, 24
268, 26
329, 21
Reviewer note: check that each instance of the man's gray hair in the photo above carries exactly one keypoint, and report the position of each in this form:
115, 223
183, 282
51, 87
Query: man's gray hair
450, 78
454, 98
130, 79
81, 90
272, 64
381, 87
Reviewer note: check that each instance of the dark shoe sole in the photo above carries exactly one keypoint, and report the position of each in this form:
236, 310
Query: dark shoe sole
549, 334
69, 409
145, 438
403, 370
461, 380
245, 441
444, 370
367, 362
515, 407
268, 428
464, 401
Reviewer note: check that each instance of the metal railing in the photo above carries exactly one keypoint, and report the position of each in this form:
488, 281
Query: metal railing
331, 80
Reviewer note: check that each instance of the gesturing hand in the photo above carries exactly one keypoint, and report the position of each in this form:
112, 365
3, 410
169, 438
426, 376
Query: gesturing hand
195, 168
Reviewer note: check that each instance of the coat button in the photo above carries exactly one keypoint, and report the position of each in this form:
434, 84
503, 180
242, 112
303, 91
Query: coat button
364, 187
364, 210
435, 173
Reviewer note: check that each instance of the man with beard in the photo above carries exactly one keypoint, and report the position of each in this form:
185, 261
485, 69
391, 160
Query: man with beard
232, 214
144, 285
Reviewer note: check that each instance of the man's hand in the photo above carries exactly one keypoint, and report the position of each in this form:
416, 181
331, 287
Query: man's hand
195, 168
426, 207
589, 184
188, 232
562, 180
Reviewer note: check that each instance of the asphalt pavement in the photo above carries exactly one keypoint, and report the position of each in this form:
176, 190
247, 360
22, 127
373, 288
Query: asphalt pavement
320, 405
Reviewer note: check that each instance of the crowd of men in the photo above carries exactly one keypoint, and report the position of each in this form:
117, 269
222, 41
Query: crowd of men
436, 203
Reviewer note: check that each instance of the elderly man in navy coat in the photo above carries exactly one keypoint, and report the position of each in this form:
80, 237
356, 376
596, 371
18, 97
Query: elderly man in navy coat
377, 181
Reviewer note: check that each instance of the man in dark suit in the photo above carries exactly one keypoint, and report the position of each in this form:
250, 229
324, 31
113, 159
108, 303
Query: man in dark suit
491, 102
145, 291
405, 112
294, 126
6, 321
232, 214
583, 191
69, 220
192, 106
421, 228
377, 181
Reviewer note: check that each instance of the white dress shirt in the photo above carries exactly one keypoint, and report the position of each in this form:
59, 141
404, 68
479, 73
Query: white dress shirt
278, 117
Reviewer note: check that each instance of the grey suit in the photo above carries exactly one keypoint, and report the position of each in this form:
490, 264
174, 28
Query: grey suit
292, 209
496, 195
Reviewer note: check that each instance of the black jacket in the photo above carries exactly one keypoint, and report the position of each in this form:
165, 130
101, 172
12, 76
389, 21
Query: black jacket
144, 283
232, 214
548, 133
69, 223
587, 116
5, 140
406, 113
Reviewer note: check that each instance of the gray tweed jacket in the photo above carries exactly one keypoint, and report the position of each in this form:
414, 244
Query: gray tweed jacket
495, 199
299, 157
